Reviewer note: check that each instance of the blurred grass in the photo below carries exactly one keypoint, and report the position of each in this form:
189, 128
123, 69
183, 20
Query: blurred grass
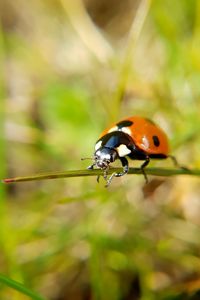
2, 133
61, 65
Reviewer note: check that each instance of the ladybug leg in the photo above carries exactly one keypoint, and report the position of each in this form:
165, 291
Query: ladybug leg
143, 166
174, 160
176, 164
124, 162
108, 182
104, 176
91, 167
105, 173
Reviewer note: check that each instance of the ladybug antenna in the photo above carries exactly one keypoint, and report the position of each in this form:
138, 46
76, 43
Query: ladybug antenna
85, 158
91, 166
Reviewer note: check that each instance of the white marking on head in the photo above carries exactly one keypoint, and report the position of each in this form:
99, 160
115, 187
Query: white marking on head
103, 156
98, 145
145, 142
115, 128
126, 130
122, 150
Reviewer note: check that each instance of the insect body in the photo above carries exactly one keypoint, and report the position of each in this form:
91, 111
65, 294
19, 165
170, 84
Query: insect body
135, 137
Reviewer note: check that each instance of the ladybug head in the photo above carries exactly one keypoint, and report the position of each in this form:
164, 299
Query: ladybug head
104, 156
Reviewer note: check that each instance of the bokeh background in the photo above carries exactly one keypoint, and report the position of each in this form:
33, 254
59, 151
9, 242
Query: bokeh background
68, 70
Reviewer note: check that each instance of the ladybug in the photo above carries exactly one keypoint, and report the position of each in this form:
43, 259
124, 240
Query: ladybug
135, 137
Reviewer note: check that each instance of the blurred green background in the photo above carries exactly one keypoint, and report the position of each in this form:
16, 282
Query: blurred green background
68, 70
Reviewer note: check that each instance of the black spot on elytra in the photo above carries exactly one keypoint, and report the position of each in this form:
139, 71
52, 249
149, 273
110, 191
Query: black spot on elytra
125, 123
156, 140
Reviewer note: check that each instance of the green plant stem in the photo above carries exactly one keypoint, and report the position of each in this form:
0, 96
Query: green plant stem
19, 287
81, 173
